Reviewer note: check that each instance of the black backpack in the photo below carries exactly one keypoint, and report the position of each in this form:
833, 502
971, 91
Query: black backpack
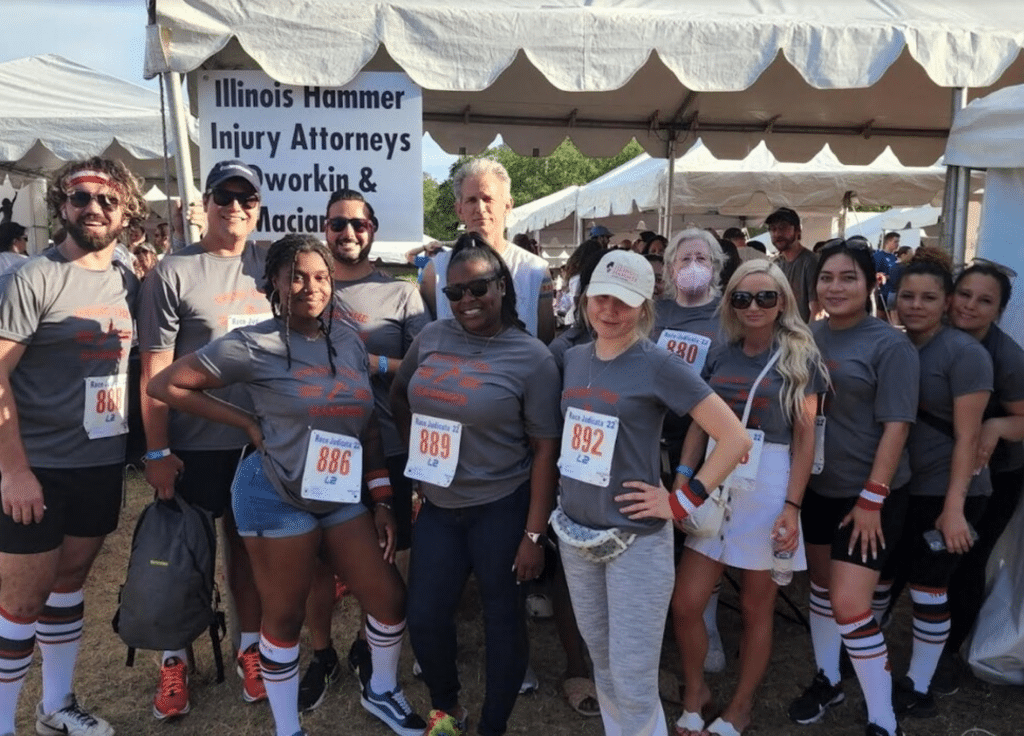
169, 598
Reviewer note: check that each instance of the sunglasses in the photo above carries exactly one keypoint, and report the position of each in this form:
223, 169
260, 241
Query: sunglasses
743, 299
476, 287
1004, 270
247, 201
854, 243
81, 199
359, 224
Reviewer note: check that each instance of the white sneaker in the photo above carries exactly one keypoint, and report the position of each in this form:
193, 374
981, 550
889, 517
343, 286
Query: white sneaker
715, 659
71, 720
530, 681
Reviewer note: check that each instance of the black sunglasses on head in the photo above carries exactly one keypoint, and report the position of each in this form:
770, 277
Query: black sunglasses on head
359, 224
743, 299
246, 200
80, 199
476, 287
854, 243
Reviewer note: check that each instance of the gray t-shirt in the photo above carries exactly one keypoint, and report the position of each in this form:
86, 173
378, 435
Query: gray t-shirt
573, 336
1008, 361
502, 389
703, 320
875, 374
191, 298
953, 364
76, 324
529, 274
800, 274
9, 261
387, 313
637, 387
291, 403
731, 373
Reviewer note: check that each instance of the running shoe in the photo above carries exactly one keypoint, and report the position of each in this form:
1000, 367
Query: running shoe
323, 669
819, 697
445, 724
253, 689
71, 720
530, 682
171, 697
360, 661
874, 729
906, 701
394, 710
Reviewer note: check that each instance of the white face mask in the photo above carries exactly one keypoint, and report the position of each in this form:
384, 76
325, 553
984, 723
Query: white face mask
693, 278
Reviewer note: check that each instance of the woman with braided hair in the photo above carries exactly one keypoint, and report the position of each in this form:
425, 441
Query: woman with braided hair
316, 441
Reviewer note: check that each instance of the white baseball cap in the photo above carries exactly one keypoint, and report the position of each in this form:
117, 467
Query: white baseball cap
626, 275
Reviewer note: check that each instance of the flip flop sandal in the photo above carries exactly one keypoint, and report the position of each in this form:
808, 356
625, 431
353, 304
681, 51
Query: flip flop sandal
719, 727
582, 696
689, 722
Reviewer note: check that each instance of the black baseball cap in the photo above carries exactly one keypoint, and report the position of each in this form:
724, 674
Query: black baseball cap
232, 169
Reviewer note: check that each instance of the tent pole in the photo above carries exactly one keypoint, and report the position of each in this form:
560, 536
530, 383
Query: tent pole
182, 153
671, 153
963, 194
950, 205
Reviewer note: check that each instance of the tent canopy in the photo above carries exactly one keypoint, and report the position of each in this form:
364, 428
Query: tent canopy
53, 110
989, 133
859, 75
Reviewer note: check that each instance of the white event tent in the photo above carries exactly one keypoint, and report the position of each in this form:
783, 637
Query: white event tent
858, 75
989, 134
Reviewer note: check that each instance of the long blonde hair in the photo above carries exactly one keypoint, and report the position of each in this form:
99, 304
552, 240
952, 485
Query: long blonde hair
798, 353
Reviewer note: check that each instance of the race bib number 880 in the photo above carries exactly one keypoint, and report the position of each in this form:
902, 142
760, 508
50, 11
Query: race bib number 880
105, 412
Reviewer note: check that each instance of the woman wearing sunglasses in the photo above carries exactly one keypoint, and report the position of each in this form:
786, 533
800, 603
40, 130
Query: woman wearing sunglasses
686, 322
948, 484
318, 441
851, 521
614, 542
477, 398
980, 295
770, 372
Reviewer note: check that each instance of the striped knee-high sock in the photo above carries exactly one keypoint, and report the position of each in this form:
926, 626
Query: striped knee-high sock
17, 642
931, 629
824, 633
279, 662
880, 600
865, 644
385, 642
59, 633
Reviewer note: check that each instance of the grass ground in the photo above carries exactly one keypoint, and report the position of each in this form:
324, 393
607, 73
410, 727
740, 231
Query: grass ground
123, 695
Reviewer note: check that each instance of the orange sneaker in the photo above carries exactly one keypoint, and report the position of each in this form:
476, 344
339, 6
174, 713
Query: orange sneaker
171, 698
249, 670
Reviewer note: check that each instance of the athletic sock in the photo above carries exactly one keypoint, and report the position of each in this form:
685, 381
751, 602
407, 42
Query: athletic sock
280, 665
59, 633
711, 611
17, 642
931, 629
385, 642
181, 654
880, 600
824, 633
865, 644
246, 639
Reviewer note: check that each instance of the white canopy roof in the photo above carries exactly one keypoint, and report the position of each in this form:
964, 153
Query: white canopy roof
53, 110
749, 188
989, 133
859, 75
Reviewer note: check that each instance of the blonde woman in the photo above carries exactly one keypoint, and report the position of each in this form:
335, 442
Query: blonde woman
616, 546
770, 370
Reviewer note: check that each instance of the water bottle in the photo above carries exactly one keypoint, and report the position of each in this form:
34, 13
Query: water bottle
782, 561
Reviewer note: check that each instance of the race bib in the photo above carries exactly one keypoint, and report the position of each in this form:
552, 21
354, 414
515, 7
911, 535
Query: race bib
106, 409
334, 468
819, 445
588, 441
690, 347
247, 320
744, 476
433, 450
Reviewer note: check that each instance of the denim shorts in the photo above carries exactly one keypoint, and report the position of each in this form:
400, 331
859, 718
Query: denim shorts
261, 512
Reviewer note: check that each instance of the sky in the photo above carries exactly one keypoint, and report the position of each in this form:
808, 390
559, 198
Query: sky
110, 36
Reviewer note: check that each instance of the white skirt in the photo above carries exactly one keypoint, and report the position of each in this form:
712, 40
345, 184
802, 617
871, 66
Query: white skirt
745, 540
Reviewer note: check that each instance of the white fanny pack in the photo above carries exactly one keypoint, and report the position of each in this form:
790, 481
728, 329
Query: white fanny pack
596, 545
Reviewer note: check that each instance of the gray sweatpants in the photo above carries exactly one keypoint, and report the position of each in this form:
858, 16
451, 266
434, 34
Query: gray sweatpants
621, 607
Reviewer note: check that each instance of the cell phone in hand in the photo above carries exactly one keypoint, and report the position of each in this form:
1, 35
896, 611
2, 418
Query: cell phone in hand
937, 543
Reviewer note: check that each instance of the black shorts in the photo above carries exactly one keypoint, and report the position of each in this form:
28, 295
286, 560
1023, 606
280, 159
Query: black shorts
820, 517
206, 479
924, 568
80, 502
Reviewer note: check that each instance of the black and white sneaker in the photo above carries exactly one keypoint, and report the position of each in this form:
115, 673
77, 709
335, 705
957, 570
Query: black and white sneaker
360, 661
394, 710
817, 698
907, 701
71, 720
874, 729
323, 669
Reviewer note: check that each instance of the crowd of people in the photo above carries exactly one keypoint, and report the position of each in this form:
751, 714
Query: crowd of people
353, 429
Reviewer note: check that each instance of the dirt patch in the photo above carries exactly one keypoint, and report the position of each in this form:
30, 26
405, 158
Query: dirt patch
124, 695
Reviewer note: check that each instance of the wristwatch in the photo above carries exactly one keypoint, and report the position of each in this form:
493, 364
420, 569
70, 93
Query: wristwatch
540, 539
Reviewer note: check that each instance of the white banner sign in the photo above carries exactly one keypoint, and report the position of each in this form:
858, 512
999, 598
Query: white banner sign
307, 142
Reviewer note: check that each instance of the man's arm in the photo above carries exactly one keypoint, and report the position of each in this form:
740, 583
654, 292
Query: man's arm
162, 473
410, 255
428, 289
545, 312
19, 488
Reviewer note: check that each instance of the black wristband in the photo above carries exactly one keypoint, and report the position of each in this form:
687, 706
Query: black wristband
794, 504
697, 488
